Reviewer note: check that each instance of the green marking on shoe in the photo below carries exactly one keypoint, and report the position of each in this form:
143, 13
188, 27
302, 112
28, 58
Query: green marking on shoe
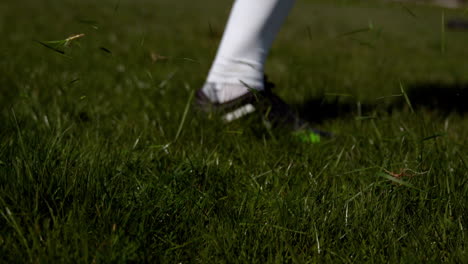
314, 138
308, 136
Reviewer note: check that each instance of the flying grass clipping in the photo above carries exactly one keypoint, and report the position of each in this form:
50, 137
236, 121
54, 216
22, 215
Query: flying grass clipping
59, 46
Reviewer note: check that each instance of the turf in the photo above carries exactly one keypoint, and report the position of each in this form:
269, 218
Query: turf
103, 159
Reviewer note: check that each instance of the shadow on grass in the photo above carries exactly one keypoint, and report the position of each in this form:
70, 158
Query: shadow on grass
436, 96
442, 97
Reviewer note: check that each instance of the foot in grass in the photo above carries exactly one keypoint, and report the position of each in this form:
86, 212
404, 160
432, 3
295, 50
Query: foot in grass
272, 109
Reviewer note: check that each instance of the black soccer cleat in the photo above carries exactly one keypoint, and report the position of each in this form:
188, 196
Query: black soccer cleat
273, 110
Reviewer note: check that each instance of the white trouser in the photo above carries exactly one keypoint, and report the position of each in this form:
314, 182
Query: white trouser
247, 39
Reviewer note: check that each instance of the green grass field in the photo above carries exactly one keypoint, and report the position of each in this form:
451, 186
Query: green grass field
103, 160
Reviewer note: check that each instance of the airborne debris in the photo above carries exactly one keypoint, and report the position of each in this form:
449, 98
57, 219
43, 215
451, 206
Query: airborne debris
59, 45
155, 57
77, 36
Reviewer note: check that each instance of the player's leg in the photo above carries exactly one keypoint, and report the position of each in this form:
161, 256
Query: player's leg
249, 34
239, 64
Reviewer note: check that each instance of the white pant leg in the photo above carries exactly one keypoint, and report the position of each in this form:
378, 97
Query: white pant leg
247, 39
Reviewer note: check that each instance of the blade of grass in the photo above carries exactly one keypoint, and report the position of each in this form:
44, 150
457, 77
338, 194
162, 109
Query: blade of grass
434, 136
409, 11
105, 50
356, 31
11, 221
184, 116
309, 33
406, 97
50, 47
